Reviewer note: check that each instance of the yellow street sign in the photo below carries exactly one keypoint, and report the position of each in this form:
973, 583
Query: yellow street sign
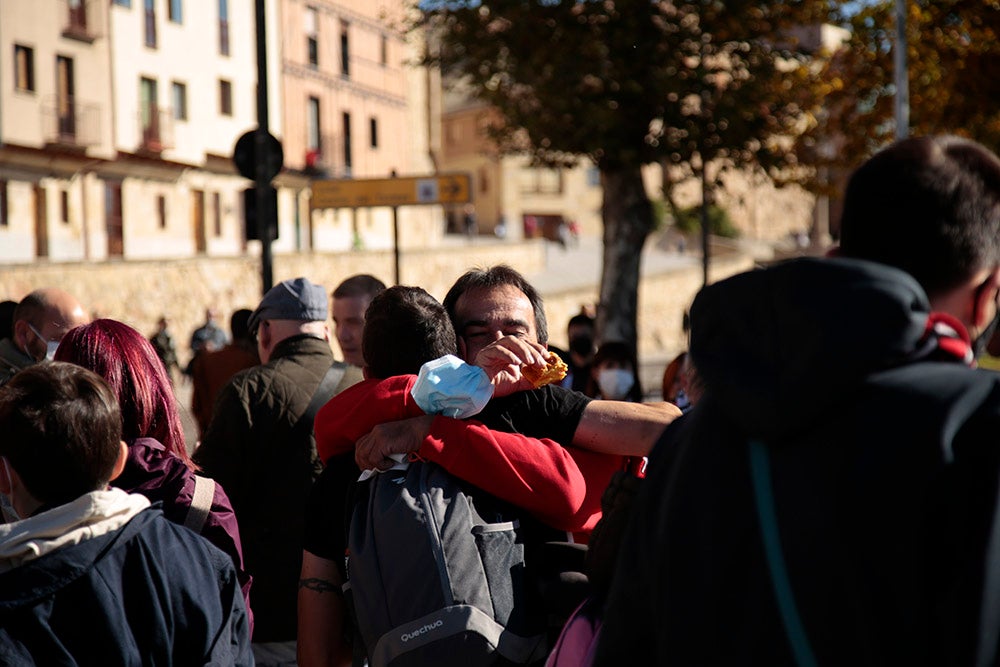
409, 191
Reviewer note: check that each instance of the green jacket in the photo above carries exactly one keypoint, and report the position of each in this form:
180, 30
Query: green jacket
266, 460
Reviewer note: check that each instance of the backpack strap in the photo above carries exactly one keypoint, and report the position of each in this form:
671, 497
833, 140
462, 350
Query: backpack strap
327, 388
201, 503
760, 468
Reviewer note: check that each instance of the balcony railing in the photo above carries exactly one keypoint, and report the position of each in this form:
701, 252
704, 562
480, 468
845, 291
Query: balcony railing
156, 130
70, 123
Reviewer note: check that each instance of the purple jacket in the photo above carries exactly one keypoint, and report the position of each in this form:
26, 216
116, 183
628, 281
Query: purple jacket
162, 477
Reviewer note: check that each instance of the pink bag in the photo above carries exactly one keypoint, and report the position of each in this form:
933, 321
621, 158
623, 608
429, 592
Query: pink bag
578, 640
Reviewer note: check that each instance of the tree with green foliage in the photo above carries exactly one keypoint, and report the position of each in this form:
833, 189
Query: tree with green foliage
626, 83
953, 57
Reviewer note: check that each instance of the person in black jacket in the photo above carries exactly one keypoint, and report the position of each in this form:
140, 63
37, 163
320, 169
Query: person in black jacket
260, 447
832, 498
90, 574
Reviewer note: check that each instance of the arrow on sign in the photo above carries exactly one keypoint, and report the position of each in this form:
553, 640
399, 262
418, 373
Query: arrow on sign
451, 187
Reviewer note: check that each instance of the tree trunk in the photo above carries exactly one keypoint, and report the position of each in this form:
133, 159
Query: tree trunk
628, 220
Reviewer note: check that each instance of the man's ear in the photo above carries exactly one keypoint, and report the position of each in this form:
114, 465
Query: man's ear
985, 305
120, 463
20, 334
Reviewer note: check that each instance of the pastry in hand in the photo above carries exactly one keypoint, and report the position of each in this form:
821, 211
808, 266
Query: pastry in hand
554, 371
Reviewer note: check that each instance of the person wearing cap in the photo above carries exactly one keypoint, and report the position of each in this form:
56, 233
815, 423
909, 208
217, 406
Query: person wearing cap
260, 444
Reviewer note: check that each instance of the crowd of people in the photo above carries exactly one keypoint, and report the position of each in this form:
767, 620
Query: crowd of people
818, 485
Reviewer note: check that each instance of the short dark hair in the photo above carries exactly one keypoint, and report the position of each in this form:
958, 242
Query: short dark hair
581, 319
497, 276
362, 284
239, 324
405, 327
31, 308
929, 206
62, 430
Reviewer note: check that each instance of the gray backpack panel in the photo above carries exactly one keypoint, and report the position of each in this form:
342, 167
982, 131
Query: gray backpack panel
432, 581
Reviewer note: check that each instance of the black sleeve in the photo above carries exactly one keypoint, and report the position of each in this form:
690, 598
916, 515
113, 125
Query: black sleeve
548, 412
325, 528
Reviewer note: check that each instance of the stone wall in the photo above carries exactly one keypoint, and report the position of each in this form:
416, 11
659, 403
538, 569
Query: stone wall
139, 292
663, 299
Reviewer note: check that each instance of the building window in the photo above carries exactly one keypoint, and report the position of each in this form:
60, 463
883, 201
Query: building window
540, 181
313, 121
161, 211
123, 3
4, 220
312, 37
373, 131
178, 92
224, 27
225, 97
175, 11
345, 58
24, 68
77, 17
149, 112
150, 16
217, 213
64, 206
347, 143
384, 51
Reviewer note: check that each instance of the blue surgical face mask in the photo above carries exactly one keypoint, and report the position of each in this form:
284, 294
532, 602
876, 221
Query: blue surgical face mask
50, 345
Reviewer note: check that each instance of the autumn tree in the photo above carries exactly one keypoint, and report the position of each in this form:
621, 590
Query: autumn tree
953, 57
626, 83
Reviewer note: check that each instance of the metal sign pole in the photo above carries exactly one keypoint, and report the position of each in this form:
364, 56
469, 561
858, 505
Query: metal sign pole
264, 220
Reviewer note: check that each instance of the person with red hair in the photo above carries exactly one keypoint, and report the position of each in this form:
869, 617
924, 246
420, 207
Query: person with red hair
158, 465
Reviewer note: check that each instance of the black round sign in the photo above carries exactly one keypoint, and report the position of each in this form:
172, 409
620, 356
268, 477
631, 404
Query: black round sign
245, 155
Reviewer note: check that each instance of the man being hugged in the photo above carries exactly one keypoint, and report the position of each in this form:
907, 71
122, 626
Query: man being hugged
92, 574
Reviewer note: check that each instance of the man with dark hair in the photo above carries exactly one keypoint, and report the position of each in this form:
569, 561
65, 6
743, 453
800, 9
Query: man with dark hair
41, 319
350, 299
91, 574
211, 370
497, 287
832, 497
404, 328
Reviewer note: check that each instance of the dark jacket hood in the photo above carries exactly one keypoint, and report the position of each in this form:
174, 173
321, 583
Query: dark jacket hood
775, 347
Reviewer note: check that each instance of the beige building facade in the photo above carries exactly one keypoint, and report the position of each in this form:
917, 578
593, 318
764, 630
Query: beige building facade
118, 120
354, 107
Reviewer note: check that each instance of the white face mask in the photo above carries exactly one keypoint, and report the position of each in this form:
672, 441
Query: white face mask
615, 383
50, 345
